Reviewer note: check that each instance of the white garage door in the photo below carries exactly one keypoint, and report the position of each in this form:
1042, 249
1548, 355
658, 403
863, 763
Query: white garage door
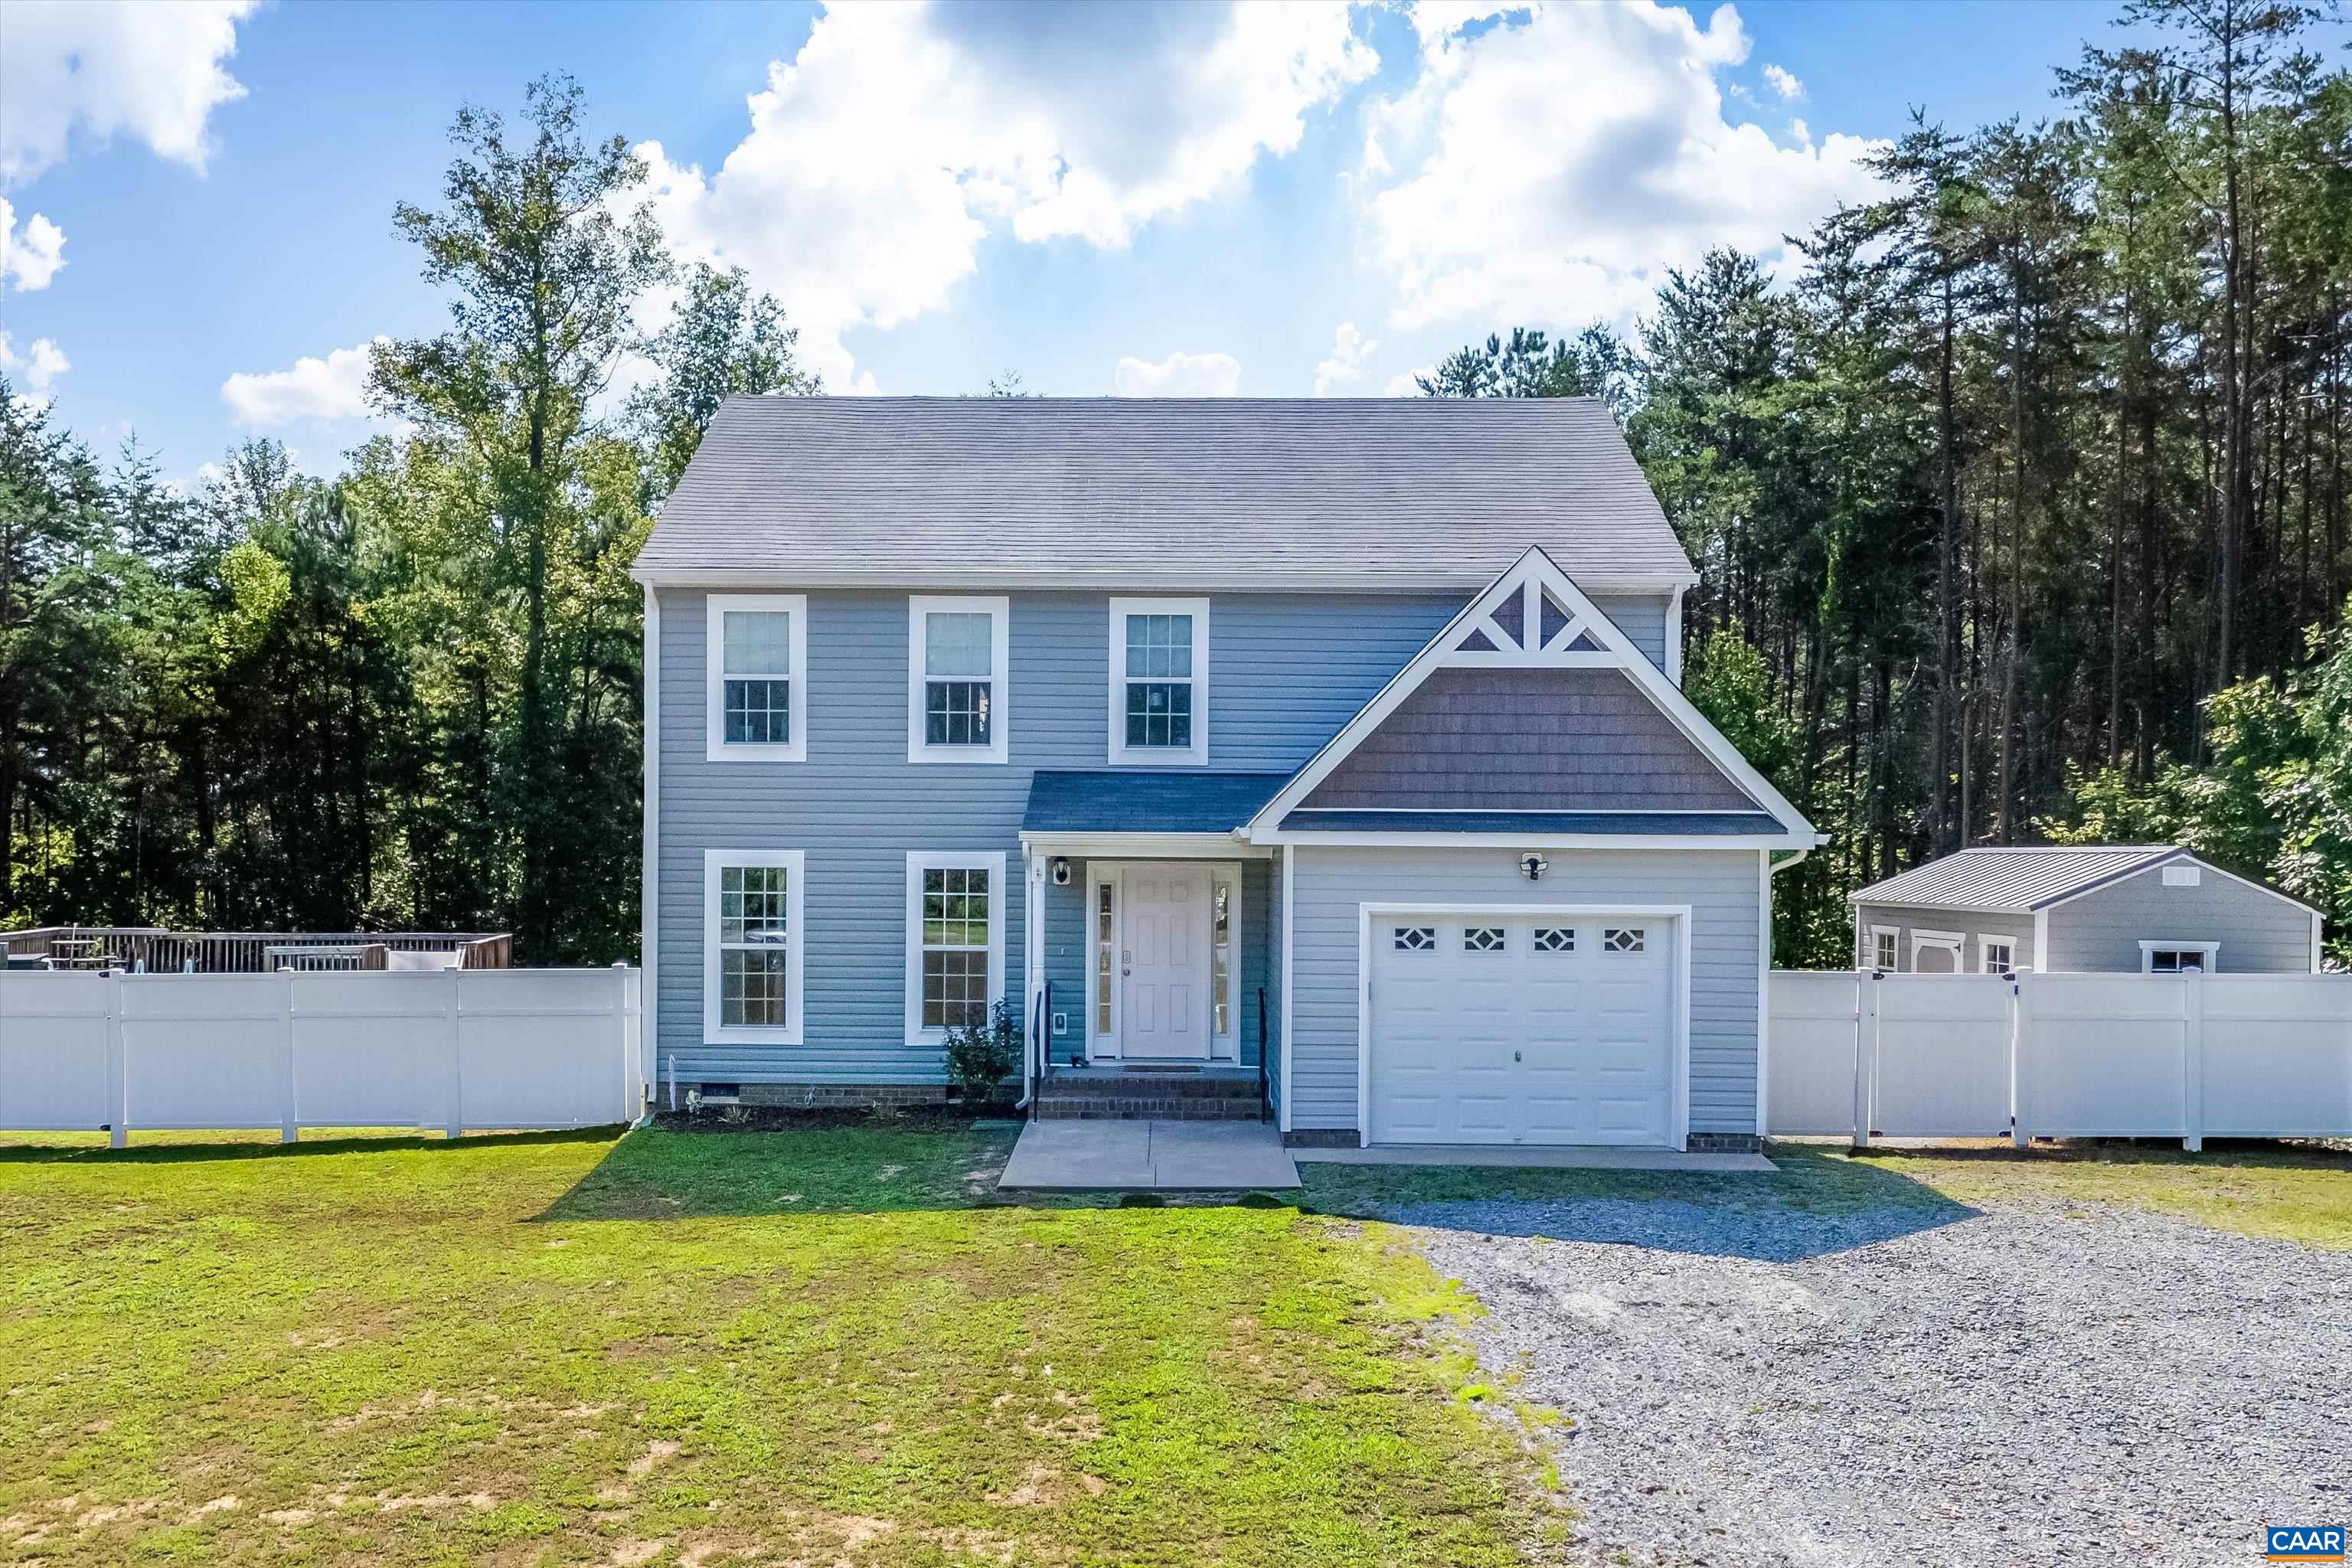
1526, 1029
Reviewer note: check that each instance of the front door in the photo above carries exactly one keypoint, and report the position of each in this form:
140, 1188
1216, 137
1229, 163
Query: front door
1165, 964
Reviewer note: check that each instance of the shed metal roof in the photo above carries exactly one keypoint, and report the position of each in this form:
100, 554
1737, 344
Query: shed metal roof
1998, 878
1395, 493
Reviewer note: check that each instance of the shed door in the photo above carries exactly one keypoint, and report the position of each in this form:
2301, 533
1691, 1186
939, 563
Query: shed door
1526, 1029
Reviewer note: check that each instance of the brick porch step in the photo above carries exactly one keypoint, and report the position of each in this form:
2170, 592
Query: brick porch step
1096, 1093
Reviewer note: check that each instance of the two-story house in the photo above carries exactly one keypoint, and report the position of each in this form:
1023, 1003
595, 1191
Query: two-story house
1338, 740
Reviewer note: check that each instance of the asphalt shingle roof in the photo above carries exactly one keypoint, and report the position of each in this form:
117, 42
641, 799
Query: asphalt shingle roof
1125, 800
1988, 878
1194, 492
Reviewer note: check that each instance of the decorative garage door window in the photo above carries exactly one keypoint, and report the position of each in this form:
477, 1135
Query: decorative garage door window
1482, 938
1623, 938
1555, 939
1415, 939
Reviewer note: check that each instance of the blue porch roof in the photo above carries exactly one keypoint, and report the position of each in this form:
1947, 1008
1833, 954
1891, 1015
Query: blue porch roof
1129, 800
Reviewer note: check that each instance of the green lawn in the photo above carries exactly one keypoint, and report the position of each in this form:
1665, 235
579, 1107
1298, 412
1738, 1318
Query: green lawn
831, 1345
838, 1347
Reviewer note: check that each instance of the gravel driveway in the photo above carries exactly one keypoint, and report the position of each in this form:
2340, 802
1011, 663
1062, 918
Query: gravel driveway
2029, 1384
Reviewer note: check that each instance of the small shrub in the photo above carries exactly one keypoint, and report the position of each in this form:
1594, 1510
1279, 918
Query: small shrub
981, 1055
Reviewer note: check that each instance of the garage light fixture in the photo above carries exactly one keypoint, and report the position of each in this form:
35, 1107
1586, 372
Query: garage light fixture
1533, 866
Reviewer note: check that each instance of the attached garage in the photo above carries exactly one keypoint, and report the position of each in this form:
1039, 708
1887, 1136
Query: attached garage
1527, 1026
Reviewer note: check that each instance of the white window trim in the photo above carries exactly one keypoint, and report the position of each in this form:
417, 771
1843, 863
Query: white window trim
1952, 940
1121, 753
999, 608
1869, 959
715, 748
1000, 905
1986, 941
2148, 949
795, 862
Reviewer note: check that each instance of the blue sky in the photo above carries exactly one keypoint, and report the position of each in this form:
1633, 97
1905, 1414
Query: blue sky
1107, 200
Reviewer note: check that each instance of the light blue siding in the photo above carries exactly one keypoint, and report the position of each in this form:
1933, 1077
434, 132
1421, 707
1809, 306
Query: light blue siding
1719, 886
1285, 671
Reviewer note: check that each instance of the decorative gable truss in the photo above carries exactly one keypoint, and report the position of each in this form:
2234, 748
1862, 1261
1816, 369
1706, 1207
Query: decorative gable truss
1534, 616
1530, 628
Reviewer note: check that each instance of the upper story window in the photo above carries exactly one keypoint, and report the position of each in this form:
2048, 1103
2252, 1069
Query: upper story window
956, 679
758, 688
1160, 682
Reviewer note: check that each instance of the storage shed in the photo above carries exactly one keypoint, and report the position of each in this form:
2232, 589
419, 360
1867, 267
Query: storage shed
2135, 909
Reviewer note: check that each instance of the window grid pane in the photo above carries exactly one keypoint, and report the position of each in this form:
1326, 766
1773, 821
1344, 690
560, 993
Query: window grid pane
1623, 938
1482, 938
1555, 939
1160, 713
754, 964
1415, 939
758, 712
955, 988
955, 712
1160, 646
956, 917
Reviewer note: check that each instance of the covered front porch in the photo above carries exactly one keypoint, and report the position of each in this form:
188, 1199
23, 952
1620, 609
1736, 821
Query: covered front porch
1151, 947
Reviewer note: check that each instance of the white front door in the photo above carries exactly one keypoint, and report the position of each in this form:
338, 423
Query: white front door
1165, 964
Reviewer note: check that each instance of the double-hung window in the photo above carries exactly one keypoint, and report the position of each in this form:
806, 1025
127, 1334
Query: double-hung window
758, 688
955, 940
1160, 682
1996, 954
751, 925
956, 685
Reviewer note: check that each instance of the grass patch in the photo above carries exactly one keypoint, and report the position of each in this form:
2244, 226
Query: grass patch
830, 1344
2299, 1192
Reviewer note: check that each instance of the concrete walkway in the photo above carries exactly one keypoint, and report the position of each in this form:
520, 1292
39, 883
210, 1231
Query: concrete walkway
1506, 1159
1070, 1154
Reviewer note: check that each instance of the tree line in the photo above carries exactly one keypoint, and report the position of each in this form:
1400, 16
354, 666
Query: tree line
2020, 507
2018, 504
408, 696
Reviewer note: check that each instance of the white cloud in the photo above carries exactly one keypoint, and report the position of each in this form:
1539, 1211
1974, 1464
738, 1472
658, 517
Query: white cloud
1549, 169
1349, 349
29, 257
1785, 85
35, 373
1179, 375
107, 68
898, 138
1407, 384
334, 388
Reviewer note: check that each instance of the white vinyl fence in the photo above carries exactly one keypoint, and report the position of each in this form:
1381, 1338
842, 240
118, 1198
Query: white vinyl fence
2061, 1056
453, 1050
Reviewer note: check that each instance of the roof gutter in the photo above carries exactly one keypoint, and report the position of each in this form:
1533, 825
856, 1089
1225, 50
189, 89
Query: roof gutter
1237, 582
